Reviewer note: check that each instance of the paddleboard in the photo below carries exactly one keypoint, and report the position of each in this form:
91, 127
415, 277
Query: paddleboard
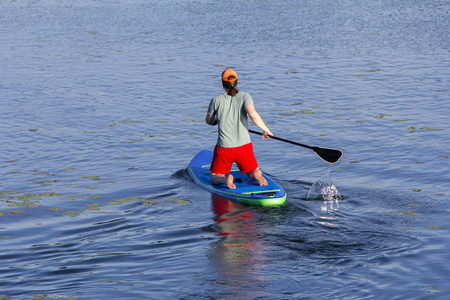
246, 191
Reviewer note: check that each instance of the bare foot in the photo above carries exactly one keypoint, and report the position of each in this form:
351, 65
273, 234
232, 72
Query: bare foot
230, 183
258, 176
261, 179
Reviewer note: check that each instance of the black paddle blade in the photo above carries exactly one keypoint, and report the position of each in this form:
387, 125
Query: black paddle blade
329, 155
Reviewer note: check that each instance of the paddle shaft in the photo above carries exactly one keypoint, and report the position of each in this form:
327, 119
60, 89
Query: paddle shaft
283, 140
326, 154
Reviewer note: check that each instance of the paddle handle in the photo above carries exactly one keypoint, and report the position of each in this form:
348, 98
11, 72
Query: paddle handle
283, 140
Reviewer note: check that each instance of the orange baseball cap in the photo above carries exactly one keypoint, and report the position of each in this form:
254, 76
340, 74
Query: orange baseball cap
227, 73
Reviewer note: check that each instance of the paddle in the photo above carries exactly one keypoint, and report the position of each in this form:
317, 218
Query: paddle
327, 154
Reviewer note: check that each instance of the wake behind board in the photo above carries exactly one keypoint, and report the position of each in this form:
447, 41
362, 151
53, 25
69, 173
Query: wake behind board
246, 191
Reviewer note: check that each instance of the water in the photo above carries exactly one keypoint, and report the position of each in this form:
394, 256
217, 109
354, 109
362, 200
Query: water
102, 108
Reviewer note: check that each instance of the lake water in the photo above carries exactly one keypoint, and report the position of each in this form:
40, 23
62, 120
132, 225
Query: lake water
102, 107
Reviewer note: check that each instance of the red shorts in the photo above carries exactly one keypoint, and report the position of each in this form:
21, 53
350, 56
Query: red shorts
224, 158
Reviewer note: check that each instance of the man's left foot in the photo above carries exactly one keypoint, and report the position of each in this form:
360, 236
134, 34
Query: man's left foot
230, 183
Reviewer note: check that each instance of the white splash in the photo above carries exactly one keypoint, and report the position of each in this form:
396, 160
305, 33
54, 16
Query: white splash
324, 189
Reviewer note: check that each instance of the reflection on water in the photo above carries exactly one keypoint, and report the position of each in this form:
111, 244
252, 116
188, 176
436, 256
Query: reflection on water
238, 257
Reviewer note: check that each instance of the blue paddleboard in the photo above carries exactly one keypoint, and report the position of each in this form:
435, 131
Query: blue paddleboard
246, 191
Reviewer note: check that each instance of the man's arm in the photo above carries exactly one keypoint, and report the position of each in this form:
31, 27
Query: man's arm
210, 120
256, 118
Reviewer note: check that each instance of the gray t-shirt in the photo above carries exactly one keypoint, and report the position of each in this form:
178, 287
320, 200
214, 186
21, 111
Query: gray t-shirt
232, 119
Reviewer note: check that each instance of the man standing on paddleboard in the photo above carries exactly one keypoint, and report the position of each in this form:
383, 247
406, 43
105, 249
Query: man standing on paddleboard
230, 111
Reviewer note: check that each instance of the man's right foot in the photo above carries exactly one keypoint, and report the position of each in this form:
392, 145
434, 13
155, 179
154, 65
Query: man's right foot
257, 174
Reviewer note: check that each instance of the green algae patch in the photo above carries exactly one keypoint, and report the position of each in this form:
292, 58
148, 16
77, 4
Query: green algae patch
181, 201
435, 227
127, 200
412, 129
71, 198
417, 190
6, 237
30, 200
72, 213
150, 202
132, 141
307, 112
16, 211
92, 177
127, 121
287, 114
13, 192
50, 195
45, 174
10, 161
52, 180
409, 214
167, 200
431, 129
56, 209
431, 289
28, 203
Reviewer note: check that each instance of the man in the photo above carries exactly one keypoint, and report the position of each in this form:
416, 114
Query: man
230, 112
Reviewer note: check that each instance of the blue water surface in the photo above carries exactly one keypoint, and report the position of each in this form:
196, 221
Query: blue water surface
102, 107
